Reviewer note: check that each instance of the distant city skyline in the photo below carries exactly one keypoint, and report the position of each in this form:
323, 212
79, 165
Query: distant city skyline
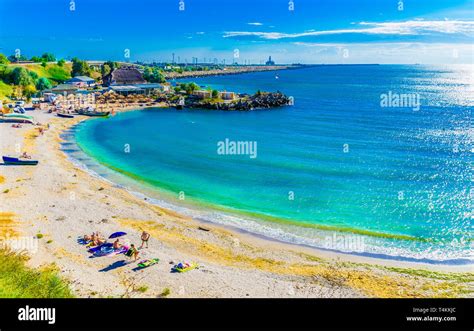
242, 31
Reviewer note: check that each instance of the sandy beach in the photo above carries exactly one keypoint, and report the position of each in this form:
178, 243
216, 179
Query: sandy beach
63, 202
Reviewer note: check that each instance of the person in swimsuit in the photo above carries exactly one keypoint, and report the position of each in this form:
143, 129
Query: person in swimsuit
132, 252
145, 236
117, 244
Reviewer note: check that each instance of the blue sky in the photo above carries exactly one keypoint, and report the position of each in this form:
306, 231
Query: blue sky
316, 31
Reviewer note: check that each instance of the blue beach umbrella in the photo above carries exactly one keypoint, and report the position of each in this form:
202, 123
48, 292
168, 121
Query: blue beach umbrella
117, 234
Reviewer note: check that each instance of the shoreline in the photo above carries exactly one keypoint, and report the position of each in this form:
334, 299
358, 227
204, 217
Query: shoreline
229, 257
204, 212
229, 71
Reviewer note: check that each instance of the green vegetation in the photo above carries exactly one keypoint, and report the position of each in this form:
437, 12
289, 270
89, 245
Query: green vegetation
25, 80
43, 83
153, 75
142, 289
4, 59
165, 293
80, 68
107, 67
188, 87
19, 281
39, 236
17, 57
5, 89
215, 94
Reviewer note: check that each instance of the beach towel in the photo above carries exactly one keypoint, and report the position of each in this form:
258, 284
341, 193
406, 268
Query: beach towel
183, 267
107, 250
148, 263
98, 248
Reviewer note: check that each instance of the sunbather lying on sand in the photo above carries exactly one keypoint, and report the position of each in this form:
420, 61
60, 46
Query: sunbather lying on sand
95, 238
117, 244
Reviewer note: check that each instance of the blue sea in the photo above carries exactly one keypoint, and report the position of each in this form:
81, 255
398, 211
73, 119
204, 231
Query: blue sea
338, 170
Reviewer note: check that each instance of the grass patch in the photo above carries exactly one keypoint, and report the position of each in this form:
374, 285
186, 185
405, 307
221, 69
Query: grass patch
5, 89
19, 281
165, 293
142, 289
52, 71
462, 277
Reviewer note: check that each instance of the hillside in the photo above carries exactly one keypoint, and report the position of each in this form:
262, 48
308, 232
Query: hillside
53, 72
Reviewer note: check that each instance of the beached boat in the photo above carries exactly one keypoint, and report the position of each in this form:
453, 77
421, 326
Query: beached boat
65, 115
16, 118
93, 113
17, 161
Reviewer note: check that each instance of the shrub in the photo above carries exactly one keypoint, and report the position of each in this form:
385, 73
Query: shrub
165, 293
19, 281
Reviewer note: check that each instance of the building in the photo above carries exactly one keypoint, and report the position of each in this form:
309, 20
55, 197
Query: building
227, 95
270, 62
81, 81
64, 89
203, 94
145, 89
124, 76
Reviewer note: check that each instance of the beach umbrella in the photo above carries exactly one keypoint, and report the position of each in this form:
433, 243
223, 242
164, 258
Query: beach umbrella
117, 234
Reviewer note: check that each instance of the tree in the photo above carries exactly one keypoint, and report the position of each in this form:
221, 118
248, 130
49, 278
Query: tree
21, 76
48, 57
36, 59
105, 69
112, 65
61, 62
43, 84
33, 75
29, 91
80, 68
153, 75
215, 94
3, 59
14, 58
191, 87
44, 63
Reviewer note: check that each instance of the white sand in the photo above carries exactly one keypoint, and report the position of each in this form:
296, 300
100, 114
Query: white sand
63, 202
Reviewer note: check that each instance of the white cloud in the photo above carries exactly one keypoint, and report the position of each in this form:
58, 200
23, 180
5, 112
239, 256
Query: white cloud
415, 27
255, 23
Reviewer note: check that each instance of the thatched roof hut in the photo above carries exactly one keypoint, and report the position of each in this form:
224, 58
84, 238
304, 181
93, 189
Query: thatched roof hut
124, 76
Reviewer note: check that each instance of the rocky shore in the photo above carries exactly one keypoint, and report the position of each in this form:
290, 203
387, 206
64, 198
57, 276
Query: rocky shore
261, 100
229, 70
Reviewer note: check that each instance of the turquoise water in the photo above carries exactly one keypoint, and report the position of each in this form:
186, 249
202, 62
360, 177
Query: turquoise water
399, 179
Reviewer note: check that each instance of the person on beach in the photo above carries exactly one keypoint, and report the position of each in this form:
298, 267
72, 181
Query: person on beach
25, 156
145, 237
117, 244
132, 252
96, 239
